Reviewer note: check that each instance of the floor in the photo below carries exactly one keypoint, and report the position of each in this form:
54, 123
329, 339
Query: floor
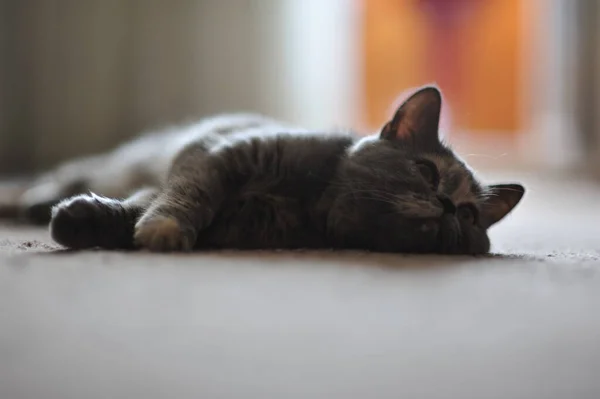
522, 323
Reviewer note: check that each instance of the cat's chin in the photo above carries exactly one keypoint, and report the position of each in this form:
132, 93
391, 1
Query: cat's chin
453, 239
449, 234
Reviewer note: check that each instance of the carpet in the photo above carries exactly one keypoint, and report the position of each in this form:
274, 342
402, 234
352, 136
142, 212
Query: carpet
523, 322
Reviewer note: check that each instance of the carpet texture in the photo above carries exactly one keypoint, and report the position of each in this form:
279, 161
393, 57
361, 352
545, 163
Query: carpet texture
523, 322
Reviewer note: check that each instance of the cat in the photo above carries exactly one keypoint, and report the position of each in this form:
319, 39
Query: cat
248, 182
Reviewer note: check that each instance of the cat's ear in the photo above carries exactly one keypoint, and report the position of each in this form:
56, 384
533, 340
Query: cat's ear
417, 119
502, 199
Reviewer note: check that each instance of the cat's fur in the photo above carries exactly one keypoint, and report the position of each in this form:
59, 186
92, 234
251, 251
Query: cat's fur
248, 182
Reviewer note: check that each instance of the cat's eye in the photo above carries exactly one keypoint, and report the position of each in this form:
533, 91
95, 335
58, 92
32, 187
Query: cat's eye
468, 213
430, 173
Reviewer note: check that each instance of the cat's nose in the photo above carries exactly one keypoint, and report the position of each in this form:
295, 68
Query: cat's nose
449, 207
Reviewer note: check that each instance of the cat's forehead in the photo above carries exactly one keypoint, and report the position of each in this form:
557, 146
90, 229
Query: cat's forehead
456, 179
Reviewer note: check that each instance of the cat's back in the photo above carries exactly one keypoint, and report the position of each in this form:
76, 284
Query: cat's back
140, 162
166, 143
267, 141
149, 156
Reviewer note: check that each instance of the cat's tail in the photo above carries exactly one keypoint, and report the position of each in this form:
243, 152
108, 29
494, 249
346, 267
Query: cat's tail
10, 193
17, 204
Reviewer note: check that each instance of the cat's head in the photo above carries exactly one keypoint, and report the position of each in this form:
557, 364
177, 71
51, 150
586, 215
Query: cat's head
404, 190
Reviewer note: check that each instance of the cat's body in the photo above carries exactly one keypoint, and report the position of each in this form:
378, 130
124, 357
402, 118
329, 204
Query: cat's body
247, 182
141, 162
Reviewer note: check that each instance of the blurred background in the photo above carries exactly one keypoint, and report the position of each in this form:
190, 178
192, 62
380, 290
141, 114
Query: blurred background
520, 77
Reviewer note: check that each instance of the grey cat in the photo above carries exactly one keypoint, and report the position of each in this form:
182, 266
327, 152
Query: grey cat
248, 182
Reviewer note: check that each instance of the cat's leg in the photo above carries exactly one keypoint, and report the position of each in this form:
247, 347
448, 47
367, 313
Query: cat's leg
89, 220
100, 174
196, 187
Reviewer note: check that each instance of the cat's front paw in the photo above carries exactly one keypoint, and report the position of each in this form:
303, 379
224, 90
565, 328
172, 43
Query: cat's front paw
163, 234
88, 221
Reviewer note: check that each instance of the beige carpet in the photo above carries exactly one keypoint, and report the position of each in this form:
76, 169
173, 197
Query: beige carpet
524, 323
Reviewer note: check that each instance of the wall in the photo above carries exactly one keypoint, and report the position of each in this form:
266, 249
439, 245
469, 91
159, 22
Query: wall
508, 69
87, 74
471, 49
77, 77
80, 76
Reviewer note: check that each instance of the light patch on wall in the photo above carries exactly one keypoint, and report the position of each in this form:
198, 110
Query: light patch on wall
402, 49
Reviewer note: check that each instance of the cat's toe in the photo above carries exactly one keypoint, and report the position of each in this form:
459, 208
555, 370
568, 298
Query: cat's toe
163, 234
84, 222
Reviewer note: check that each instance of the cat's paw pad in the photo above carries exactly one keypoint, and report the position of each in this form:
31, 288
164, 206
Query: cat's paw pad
83, 221
163, 234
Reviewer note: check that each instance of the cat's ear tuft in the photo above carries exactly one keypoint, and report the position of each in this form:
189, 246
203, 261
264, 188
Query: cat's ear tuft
502, 199
417, 119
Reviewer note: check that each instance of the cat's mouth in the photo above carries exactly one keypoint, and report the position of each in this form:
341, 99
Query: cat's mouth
445, 234
449, 237
449, 233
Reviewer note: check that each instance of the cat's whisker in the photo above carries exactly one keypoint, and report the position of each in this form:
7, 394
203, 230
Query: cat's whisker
488, 156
